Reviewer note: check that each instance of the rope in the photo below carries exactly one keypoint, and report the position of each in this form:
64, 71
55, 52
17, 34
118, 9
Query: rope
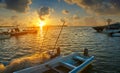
59, 35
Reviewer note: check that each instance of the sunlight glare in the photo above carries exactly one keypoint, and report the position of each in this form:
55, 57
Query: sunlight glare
42, 23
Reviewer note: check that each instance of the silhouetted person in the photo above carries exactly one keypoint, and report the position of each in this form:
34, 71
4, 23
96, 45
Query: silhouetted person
86, 52
58, 51
51, 53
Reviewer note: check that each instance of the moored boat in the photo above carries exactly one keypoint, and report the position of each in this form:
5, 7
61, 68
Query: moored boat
5, 35
115, 34
17, 32
73, 63
99, 28
111, 29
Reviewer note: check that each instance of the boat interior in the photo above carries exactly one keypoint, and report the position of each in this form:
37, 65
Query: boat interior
73, 63
65, 66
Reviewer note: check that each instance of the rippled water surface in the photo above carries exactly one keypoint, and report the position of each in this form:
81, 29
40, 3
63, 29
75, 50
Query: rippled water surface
73, 39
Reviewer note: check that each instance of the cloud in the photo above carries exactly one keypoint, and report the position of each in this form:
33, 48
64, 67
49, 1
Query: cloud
59, 0
69, 1
76, 17
65, 11
2, 5
18, 5
44, 12
14, 17
100, 7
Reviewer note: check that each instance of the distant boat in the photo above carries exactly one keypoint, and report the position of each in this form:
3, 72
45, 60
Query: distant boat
116, 34
111, 28
32, 30
73, 63
4, 35
99, 28
17, 32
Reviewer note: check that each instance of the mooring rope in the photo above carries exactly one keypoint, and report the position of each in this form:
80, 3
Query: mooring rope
59, 34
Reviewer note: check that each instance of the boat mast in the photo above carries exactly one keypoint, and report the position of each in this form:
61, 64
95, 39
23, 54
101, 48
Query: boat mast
109, 21
59, 33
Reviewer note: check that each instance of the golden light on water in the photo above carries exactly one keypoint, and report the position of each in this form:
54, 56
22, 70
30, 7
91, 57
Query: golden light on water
41, 24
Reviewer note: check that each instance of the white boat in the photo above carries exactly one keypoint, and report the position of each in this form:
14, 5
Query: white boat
73, 63
109, 31
115, 35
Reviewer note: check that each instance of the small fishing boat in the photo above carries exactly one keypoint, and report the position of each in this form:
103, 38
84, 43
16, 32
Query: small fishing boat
17, 32
4, 35
32, 31
109, 28
73, 63
99, 28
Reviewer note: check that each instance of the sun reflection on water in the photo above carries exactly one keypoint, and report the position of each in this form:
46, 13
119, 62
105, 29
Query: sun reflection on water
41, 24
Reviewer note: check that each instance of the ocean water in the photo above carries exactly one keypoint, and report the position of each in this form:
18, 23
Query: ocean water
24, 51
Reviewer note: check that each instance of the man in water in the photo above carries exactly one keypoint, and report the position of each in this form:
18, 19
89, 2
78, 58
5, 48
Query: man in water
58, 51
86, 52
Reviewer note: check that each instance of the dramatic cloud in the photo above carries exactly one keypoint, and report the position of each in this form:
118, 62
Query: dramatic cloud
18, 5
65, 11
102, 7
44, 12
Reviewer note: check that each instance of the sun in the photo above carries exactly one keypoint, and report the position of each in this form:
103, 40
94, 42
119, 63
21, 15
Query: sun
42, 23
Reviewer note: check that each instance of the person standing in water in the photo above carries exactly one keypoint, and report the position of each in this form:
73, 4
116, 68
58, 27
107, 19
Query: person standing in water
86, 52
58, 51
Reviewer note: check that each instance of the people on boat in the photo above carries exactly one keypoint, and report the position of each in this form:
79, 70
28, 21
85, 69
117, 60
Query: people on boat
53, 54
16, 29
86, 52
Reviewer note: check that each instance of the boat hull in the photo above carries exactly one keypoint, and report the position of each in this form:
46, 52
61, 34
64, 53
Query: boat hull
66, 64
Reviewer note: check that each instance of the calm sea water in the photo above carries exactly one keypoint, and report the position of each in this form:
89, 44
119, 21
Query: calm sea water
19, 49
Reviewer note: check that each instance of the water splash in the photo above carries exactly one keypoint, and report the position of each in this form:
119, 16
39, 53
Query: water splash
2, 68
24, 62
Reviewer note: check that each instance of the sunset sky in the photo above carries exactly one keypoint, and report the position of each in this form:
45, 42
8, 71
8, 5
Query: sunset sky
74, 12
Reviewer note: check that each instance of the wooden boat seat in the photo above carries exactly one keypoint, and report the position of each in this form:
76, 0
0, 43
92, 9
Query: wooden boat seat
68, 65
78, 58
